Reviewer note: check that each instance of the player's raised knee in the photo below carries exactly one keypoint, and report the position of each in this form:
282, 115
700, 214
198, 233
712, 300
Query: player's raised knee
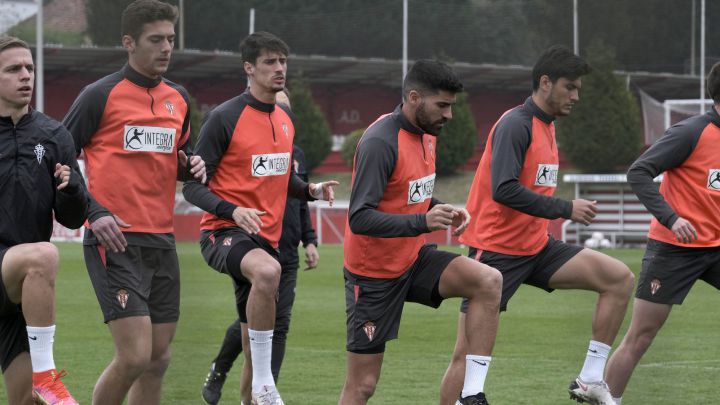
43, 260
267, 277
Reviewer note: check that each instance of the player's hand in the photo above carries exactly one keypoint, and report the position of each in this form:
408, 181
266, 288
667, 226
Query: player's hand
62, 173
440, 217
323, 191
107, 231
197, 166
461, 220
312, 257
684, 231
583, 211
248, 219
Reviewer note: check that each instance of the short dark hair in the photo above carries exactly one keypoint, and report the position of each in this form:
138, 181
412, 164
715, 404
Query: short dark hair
141, 12
252, 46
7, 42
713, 83
430, 76
558, 61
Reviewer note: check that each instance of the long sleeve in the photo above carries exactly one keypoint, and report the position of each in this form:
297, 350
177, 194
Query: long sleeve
374, 164
670, 151
510, 143
213, 141
82, 121
71, 203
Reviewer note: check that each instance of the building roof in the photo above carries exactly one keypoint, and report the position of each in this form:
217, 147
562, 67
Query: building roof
351, 71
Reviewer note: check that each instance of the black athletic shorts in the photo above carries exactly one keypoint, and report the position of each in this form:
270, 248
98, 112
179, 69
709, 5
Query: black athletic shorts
374, 305
142, 281
224, 250
535, 270
13, 332
669, 271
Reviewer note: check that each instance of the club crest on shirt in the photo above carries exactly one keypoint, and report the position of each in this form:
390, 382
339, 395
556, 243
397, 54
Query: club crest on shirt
39, 152
431, 148
421, 189
270, 164
546, 175
149, 139
369, 329
285, 129
170, 107
714, 179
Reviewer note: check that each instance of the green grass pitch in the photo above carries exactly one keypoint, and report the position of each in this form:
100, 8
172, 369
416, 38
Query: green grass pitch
540, 347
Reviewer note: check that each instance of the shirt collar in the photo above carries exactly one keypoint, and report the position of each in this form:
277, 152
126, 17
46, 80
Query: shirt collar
135, 77
538, 112
405, 123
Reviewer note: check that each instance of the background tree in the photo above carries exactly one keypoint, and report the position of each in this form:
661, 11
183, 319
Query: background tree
456, 142
312, 130
603, 132
350, 146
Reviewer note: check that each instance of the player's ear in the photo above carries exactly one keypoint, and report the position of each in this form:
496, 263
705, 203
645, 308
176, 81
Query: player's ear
248, 67
413, 97
128, 43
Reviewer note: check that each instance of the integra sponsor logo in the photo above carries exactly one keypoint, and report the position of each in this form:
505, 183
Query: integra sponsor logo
714, 179
546, 175
149, 139
421, 189
271, 164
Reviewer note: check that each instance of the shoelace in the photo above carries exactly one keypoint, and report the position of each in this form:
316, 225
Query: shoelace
269, 397
52, 383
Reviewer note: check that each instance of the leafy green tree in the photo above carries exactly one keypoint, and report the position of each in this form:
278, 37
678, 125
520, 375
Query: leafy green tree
456, 142
312, 130
603, 132
350, 146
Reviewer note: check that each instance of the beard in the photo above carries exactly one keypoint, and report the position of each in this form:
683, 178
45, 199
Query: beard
425, 122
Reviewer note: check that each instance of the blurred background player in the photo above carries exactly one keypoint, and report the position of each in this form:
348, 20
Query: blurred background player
134, 128
511, 202
386, 259
296, 228
39, 177
684, 236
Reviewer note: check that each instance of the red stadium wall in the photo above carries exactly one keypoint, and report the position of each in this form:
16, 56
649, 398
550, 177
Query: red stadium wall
346, 107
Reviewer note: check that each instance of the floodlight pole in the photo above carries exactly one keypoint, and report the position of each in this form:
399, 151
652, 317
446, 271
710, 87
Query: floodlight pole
182, 24
702, 56
252, 20
405, 40
576, 37
39, 62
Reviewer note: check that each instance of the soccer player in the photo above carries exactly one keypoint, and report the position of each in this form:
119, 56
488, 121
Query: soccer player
247, 143
386, 259
684, 237
296, 228
38, 177
134, 128
511, 202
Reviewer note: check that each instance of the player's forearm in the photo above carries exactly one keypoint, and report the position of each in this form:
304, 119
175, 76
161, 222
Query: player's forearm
371, 222
200, 196
641, 180
515, 196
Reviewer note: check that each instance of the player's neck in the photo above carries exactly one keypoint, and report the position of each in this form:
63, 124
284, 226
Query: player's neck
14, 113
409, 114
267, 97
139, 69
539, 101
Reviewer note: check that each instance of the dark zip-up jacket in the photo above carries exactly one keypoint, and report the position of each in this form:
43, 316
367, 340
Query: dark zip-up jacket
29, 152
296, 226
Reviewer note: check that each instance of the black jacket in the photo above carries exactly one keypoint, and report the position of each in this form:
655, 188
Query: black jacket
296, 225
28, 188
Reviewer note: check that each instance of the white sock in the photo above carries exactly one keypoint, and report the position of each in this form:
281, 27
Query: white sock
41, 347
617, 400
476, 369
594, 366
261, 353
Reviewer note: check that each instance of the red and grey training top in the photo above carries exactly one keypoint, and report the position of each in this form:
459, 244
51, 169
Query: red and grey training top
131, 128
392, 186
511, 198
247, 147
689, 155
